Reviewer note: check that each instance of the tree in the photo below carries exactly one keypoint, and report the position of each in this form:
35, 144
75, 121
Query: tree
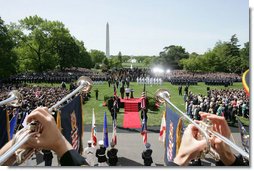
35, 37
97, 56
224, 57
46, 45
8, 59
244, 57
171, 56
83, 59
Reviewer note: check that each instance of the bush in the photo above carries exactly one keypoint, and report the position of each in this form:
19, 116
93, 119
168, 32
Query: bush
152, 105
106, 97
97, 66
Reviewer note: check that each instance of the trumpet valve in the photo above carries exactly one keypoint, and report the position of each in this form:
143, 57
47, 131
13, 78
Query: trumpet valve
24, 154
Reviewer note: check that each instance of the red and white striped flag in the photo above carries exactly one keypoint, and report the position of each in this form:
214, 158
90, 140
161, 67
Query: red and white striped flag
75, 139
93, 131
144, 130
114, 138
163, 128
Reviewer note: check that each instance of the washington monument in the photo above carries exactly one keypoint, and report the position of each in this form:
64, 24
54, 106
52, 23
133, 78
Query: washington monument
107, 41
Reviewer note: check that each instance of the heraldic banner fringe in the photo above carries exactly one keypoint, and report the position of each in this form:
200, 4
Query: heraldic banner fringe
174, 126
4, 128
72, 123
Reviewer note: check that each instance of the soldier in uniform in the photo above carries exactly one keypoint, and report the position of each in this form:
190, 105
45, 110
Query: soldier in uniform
147, 155
112, 155
122, 91
96, 93
144, 106
101, 154
89, 154
180, 90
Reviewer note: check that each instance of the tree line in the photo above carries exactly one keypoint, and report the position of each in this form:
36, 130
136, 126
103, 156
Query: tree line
226, 56
34, 44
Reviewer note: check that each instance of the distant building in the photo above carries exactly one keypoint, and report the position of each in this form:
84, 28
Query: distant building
132, 60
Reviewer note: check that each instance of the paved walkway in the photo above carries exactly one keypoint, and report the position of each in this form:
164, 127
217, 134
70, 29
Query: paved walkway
130, 146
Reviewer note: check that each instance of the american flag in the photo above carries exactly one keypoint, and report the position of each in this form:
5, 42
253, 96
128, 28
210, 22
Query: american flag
93, 131
163, 128
144, 130
114, 138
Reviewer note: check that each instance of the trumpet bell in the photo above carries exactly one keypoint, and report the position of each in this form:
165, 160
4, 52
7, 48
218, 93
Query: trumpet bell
161, 94
18, 98
86, 82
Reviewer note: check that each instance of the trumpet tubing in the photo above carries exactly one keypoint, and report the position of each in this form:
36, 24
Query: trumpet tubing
205, 128
15, 99
22, 136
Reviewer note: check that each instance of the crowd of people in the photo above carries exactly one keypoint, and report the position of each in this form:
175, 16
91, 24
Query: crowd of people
68, 75
139, 75
177, 77
222, 105
32, 97
228, 103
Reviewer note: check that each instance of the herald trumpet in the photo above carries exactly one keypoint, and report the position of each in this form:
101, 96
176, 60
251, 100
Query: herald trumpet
14, 99
162, 95
15, 155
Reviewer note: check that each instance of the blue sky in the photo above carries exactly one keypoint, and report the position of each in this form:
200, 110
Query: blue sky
141, 27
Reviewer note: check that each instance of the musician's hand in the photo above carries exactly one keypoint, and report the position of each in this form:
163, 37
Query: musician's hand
220, 125
190, 147
49, 137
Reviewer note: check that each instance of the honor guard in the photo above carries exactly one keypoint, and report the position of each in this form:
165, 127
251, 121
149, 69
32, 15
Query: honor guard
147, 155
101, 154
89, 154
112, 155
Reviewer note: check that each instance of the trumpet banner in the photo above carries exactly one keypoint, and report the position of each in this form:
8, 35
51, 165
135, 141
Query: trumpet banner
72, 123
174, 130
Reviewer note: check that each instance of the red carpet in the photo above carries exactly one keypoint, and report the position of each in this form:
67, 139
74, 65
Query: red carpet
131, 117
131, 120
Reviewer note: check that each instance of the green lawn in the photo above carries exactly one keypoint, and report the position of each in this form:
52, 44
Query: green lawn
128, 65
154, 116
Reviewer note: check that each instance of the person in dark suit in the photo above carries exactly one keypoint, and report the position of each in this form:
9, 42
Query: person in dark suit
112, 155
96, 93
180, 90
147, 155
122, 92
47, 157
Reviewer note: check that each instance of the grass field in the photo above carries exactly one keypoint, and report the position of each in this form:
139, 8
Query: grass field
154, 116
128, 65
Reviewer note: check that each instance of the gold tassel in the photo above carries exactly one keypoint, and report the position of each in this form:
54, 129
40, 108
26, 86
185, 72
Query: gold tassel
58, 120
8, 124
178, 135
